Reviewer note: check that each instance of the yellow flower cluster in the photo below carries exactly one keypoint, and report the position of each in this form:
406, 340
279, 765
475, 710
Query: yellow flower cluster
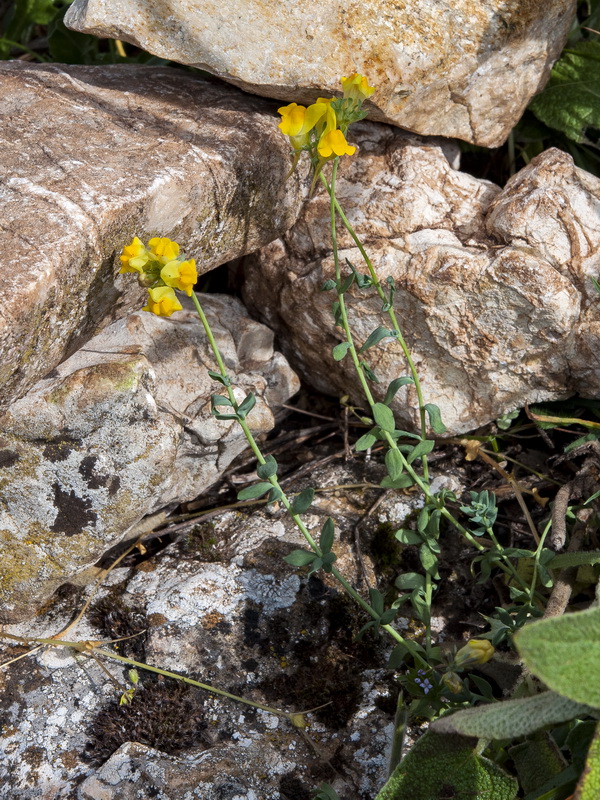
161, 271
321, 128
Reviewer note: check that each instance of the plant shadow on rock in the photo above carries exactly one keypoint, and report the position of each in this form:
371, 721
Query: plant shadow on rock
314, 642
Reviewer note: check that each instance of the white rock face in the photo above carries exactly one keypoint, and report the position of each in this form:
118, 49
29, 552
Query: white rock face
92, 156
459, 68
247, 623
495, 295
119, 430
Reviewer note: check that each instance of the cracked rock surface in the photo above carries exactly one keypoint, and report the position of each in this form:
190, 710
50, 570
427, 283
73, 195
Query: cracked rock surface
494, 287
119, 430
92, 156
456, 68
221, 606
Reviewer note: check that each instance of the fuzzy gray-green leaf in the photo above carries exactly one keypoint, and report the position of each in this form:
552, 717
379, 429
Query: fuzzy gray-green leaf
510, 719
439, 767
564, 652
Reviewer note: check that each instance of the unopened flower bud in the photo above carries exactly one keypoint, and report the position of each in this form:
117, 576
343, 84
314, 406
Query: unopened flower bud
452, 682
477, 651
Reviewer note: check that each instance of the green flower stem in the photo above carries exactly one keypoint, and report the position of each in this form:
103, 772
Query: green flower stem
391, 314
86, 648
536, 558
273, 480
423, 484
509, 567
428, 600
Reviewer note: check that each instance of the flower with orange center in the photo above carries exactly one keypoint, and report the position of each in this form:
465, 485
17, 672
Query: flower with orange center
134, 257
356, 87
297, 121
332, 141
180, 275
164, 249
163, 301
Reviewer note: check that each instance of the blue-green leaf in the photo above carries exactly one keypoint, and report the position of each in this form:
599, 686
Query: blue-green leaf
257, 490
375, 337
421, 449
384, 417
340, 350
394, 463
300, 558
435, 418
246, 405
302, 502
327, 536
366, 441
396, 384
268, 469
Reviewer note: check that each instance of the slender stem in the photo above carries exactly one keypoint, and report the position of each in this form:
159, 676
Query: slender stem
86, 647
428, 599
537, 555
391, 314
422, 483
509, 568
273, 480
25, 49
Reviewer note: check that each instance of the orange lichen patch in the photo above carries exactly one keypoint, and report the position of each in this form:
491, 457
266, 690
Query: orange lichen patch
209, 621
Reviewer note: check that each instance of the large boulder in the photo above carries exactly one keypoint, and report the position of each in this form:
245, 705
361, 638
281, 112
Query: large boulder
464, 69
93, 155
495, 293
119, 430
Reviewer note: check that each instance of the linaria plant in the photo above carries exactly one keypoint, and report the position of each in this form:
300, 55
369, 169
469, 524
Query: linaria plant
432, 682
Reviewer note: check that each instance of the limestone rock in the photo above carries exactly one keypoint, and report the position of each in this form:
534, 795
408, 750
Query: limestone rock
245, 622
459, 69
491, 326
119, 430
93, 155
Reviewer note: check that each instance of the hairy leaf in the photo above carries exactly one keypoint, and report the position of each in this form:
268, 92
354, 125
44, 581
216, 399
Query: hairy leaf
588, 787
564, 652
511, 718
576, 559
440, 767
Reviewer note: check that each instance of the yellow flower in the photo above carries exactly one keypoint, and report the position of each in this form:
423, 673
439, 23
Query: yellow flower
356, 87
134, 256
332, 141
165, 249
476, 651
163, 301
180, 275
297, 121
